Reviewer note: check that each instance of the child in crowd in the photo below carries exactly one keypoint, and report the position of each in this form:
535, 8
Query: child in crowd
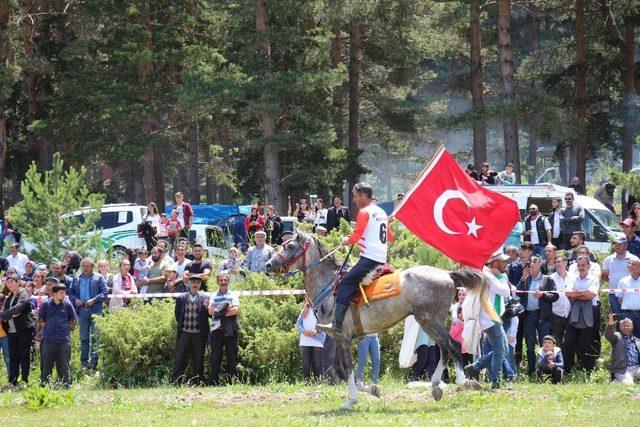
512, 333
162, 228
141, 269
173, 227
457, 325
550, 361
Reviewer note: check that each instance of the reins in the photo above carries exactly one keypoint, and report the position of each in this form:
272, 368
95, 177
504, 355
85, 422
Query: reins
324, 293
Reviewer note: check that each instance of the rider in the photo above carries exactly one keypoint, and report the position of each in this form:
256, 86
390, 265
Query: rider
372, 233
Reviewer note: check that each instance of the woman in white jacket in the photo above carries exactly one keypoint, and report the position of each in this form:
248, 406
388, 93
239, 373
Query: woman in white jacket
123, 283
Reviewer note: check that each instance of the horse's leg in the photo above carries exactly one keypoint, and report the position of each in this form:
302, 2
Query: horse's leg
438, 332
343, 343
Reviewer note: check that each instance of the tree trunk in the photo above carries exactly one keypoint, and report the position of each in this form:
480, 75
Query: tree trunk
532, 158
5, 11
145, 68
561, 158
509, 124
158, 175
224, 139
338, 95
629, 96
194, 162
28, 27
354, 104
477, 86
580, 147
210, 190
273, 184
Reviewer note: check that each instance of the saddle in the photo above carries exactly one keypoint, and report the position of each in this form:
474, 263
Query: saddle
383, 282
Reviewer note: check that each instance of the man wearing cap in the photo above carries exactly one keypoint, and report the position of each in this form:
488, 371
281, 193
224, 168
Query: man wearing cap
614, 268
193, 331
321, 231
633, 242
571, 219
630, 301
56, 316
537, 298
258, 255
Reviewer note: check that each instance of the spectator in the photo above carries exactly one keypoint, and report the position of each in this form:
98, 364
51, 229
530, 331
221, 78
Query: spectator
536, 318
571, 219
584, 317
549, 266
634, 215
633, 241
614, 268
515, 268
174, 227
232, 264
4, 339
303, 211
29, 268
537, 230
399, 197
630, 301
515, 236
185, 214
625, 351
605, 195
336, 212
472, 172
321, 231
512, 335
507, 177
554, 219
173, 285
163, 233
156, 278
427, 356
141, 270
9, 233
561, 307
17, 259
16, 311
577, 240
594, 267
457, 324
72, 260
576, 186
103, 270
87, 294
123, 283
253, 222
512, 252
320, 213
224, 307
369, 346
550, 361
57, 271
152, 220
193, 330
181, 263
258, 255
273, 226
38, 283
199, 267
487, 176
56, 317
311, 342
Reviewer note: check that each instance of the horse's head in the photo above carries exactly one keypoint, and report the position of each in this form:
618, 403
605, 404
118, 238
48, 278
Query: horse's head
291, 255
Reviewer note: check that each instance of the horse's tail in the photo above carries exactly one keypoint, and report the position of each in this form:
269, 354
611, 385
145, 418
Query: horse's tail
475, 281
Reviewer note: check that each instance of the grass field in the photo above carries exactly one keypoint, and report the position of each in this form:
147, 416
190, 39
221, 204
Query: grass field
283, 404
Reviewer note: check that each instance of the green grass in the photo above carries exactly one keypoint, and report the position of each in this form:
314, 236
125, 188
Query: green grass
283, 404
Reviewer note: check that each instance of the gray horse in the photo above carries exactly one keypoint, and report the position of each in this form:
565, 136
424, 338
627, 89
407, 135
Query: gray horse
427, 293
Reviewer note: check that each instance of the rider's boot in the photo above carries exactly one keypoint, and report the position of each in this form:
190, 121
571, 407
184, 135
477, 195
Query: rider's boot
336, 327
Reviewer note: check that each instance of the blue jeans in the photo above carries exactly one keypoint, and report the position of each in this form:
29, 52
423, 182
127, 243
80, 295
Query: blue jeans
635, 318
511, 362
369, 346
534, 330
507, 369
89, 334
4, 346
615, 305
349, 283
498, 341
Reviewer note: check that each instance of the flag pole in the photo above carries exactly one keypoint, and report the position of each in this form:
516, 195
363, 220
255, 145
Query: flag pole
424, 171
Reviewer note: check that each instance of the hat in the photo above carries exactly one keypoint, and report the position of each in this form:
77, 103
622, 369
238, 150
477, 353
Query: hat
321, 228
497, 256
197, 278
40, 267
52, 279
628, 221
622, 240
549, 338
54, 259
260, 232
171, 268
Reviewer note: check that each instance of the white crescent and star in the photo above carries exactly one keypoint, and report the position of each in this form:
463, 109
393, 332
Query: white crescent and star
438, 208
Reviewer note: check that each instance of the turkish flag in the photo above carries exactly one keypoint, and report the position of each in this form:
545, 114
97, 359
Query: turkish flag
448, 210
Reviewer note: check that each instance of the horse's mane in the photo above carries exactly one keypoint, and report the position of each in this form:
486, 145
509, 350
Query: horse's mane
322, 249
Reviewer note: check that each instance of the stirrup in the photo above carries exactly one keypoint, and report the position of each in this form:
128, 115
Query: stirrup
327, 328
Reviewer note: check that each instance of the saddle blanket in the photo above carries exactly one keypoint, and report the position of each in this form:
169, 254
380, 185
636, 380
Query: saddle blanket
383, 287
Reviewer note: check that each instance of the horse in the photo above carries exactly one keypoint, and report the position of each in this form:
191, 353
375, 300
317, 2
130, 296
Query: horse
427, 293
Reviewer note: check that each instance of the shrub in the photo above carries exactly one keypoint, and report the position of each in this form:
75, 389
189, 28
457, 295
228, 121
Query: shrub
46, 397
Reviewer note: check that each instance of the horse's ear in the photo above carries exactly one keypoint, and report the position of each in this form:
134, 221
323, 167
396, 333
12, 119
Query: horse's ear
301, 235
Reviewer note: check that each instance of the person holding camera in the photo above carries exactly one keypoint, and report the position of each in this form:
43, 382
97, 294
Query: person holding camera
487, 176
625, 350
550, 361
538, 295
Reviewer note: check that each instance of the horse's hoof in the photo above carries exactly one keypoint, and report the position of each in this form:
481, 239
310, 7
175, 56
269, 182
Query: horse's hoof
348, 404
436, 392
473, 385
375, 391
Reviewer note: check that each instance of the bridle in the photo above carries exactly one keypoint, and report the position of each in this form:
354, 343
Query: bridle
300, 252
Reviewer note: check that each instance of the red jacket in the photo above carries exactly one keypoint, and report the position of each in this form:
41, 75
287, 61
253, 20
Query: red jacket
187, 211
247, 223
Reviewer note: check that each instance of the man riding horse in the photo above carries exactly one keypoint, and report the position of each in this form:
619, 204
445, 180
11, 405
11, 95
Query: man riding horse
372, 234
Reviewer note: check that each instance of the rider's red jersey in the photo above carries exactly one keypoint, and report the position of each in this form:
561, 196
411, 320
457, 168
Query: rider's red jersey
372, 233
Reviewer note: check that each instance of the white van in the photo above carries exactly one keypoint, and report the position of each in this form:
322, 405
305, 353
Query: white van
600, 225
118, 226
